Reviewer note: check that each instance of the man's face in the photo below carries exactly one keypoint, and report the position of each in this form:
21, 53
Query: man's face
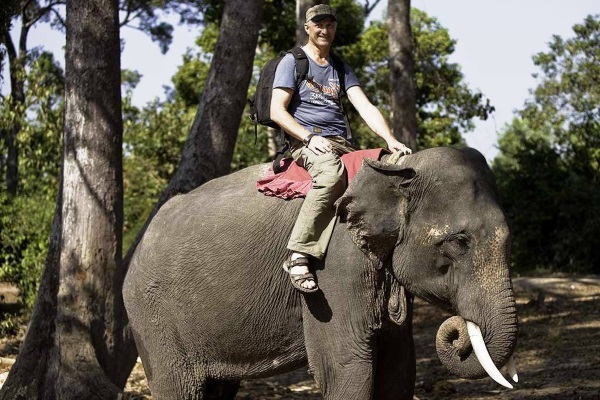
321, 33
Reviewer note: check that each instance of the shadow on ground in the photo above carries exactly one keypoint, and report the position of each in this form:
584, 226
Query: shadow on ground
558, 351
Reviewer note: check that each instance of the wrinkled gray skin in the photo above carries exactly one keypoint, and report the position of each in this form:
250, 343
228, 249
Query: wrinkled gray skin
209, 303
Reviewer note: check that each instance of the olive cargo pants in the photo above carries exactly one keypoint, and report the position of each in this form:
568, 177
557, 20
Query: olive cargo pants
314, 225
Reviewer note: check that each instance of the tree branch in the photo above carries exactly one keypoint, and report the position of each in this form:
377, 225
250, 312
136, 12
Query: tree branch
10, 47
44, 10
60, 18
27, 3
23, 41
128, 20
368, 8
128, 13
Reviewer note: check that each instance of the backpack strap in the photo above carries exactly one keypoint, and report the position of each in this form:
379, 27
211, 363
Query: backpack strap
340, 68
302, 66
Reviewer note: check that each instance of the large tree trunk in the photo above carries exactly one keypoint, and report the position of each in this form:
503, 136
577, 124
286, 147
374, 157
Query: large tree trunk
402, 72
73, 340
208, 151
209, 148
301, 7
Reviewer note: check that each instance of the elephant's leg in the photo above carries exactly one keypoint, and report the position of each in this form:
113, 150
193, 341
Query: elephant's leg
176, 382
169, 377
395, 367
340, 355
341, 378
221, 390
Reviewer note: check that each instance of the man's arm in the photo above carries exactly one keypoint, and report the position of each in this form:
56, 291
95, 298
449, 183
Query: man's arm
280, 100
373, 118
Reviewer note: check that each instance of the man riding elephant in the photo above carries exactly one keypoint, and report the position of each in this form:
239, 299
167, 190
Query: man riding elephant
311, 114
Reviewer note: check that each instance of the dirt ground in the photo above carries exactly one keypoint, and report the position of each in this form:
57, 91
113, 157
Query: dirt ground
558, 351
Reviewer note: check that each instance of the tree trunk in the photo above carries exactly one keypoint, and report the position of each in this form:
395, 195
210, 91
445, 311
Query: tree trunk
75, 336
402, 73
12, 156
16, 66
301, 7
209, 148
208, 151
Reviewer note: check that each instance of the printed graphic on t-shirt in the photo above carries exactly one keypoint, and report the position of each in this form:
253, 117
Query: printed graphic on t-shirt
324, 95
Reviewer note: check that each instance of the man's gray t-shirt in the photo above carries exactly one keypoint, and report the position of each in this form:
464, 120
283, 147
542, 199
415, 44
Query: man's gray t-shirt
316, 106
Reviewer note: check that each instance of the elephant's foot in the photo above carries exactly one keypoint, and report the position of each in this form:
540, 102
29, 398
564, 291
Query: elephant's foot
300, 276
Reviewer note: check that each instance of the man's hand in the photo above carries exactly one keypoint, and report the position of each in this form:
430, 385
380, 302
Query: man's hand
319, 145
397, 147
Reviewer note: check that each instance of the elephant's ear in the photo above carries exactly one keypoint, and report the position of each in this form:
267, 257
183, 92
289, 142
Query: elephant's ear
375, 208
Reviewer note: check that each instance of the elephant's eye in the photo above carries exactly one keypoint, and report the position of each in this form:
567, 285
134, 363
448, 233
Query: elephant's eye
457, 244
444, 266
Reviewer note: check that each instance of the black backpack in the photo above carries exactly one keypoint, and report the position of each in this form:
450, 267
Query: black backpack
260, 102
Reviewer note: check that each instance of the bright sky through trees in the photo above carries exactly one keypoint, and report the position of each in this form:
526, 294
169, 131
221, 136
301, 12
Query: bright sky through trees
495, 43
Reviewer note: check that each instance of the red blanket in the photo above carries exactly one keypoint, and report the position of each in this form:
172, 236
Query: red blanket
295, 182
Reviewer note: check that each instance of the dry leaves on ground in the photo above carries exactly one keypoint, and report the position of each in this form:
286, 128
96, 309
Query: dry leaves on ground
558, 351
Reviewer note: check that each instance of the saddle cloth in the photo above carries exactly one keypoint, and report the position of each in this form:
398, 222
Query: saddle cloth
294, 182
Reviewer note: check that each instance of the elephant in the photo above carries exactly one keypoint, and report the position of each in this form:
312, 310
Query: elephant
209, 303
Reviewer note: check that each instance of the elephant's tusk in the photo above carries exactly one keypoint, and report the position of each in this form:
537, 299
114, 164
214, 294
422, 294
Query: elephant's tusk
512, 369
483, 356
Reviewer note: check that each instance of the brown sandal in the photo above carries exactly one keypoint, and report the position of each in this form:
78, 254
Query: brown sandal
298, 279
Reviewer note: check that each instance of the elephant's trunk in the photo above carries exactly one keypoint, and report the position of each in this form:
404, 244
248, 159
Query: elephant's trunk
461, 346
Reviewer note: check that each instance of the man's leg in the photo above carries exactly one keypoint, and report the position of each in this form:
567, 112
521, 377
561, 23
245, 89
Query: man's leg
314, 225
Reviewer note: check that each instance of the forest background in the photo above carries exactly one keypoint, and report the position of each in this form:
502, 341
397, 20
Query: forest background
546, 164
85, 167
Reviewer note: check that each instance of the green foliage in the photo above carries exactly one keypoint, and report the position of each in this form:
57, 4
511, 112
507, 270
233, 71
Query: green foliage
446, 106
153, 136
39, 141
25, 219
351, 19
247, 152
278, 29
146, 15
24, 231
547, 170
191, 75
153, 139
568, 96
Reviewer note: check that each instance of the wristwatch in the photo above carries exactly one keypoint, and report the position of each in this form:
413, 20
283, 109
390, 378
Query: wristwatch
306, 140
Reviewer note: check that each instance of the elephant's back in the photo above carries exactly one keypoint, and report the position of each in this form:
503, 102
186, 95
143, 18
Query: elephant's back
226, 208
